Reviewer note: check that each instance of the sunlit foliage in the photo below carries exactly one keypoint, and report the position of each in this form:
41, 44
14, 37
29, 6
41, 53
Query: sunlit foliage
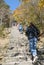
30, 11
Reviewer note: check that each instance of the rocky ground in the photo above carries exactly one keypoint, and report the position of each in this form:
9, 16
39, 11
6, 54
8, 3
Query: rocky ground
15, 49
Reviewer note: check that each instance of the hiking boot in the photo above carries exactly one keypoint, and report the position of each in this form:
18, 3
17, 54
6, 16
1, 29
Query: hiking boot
35, 59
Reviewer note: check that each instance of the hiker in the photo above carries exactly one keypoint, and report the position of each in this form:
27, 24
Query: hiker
20, 27
32, 32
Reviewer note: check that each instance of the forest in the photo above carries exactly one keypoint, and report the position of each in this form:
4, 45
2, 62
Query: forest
30, 11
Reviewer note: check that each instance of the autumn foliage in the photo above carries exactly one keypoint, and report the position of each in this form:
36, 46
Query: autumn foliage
30, 11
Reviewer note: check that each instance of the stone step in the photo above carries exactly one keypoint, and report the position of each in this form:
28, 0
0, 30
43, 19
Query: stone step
17, 58
13, 54
18, 63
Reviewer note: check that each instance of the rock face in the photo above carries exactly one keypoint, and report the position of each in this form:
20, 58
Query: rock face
17, 51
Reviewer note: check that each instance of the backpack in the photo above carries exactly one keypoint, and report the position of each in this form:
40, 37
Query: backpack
36, 31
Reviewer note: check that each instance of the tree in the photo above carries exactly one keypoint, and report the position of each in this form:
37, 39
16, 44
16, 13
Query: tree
41, 4
4, 10
29, 11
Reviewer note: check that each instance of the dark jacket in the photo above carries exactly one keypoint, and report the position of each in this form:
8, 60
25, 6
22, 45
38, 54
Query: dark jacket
32, 31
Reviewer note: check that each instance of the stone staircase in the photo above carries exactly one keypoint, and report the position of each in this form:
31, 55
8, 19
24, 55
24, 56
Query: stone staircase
17, 51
